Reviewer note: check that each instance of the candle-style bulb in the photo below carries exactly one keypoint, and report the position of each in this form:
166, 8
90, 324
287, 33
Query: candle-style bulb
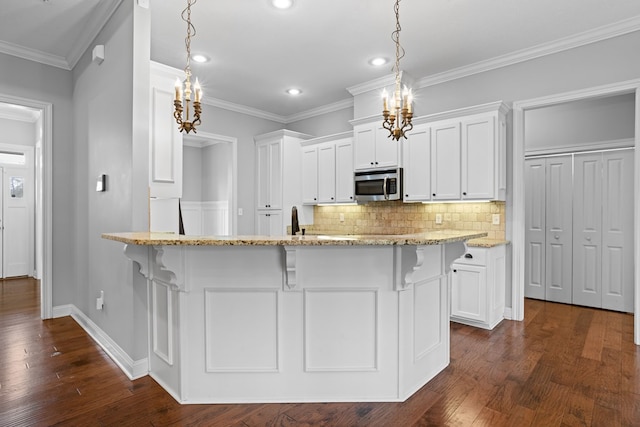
178, 87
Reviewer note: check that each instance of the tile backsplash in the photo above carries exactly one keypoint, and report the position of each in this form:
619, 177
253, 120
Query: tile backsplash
404, 218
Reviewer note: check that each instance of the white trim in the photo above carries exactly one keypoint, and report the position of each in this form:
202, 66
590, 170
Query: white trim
34, 55
588, 37
327, 138
325, 109
133, 369
22, 115
517, 239
507, 313
281, 133
585, 146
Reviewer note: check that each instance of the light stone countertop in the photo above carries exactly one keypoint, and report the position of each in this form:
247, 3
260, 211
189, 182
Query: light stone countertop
485, 242
170, 239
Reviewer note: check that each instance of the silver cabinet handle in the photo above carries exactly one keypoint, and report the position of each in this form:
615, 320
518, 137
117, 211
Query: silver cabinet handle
556, 236
589, 239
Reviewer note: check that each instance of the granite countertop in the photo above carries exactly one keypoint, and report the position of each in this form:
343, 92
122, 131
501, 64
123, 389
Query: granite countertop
485, 242
170, 239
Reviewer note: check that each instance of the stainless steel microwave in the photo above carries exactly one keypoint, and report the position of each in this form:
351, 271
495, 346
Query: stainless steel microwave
378, 184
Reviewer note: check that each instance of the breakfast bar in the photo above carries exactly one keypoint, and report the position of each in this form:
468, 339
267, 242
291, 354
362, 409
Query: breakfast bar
249, 319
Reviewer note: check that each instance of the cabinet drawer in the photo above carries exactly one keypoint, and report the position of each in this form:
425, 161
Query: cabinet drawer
473, 256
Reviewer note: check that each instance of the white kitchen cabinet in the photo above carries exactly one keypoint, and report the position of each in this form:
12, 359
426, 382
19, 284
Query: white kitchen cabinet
344, 171
269, 223
278, 181
269, 173
467, 158
326, 173
445, 161
478, 287
327, 169
310, 175
417, 164
373, 149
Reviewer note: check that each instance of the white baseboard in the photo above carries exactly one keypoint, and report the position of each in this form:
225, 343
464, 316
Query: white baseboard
507, 313
132, 368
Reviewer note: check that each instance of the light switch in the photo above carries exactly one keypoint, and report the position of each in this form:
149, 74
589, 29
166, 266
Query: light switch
341, 217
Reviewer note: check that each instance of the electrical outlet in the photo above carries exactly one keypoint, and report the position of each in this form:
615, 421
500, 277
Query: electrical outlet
100, 301
341, 217
438, 218
240, 211
495, 219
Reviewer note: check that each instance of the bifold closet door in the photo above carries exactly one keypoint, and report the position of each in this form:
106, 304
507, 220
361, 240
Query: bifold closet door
603, 230
534, 266
559, 232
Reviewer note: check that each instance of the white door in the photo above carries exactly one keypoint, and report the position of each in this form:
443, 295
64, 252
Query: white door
18, 221
469, 292
535, 227
617, 231
587, 230
558, 221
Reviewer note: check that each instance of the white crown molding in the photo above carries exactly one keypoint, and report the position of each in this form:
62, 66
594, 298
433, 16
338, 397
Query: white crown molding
382, 82
34, 55
588, 37
281, 133
96, 22
325, 109
327, 138
243, 109
28, 116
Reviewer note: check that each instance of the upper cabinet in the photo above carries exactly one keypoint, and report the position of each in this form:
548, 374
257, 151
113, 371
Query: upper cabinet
269, 173
165, 146
327, 169
373, 149
461, 157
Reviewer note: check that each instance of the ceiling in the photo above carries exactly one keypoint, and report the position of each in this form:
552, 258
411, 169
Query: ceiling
320, 46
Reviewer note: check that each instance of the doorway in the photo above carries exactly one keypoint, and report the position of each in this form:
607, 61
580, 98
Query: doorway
209, 181
518, 190
42, 187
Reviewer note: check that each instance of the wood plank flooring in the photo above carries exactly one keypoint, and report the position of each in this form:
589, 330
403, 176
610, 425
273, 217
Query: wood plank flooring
562, 366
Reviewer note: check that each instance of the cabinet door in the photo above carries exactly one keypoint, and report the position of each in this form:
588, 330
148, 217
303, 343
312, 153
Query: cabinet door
326, 173
535, 228
275, 175
310, 175
478, 159
445, 162
417, 165
263, 174
558, 250
617, 231
165, 169
469, 292
387, 149
269, 223
344, 171
364, 150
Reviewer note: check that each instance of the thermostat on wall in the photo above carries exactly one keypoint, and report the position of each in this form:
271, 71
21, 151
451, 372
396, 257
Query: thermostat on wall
101, 183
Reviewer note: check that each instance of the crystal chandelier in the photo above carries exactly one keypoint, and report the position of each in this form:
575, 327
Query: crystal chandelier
183, 106
402, 98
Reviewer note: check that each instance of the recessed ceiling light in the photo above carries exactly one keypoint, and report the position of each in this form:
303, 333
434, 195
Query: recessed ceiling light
294, 91
282, 4
376, 62
200, 58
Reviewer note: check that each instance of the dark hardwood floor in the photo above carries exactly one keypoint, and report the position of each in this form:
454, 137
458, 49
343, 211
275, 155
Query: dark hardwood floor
562, 366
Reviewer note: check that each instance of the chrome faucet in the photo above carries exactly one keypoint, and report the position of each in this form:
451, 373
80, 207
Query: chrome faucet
295, 226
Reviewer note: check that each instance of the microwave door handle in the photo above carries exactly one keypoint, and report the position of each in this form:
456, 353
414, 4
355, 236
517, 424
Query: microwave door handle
384, 188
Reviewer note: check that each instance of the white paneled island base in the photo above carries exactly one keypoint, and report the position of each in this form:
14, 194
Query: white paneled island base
315, 322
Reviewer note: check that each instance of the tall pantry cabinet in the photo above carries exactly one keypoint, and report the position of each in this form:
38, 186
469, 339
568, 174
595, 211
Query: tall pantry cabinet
278, 186
579, 229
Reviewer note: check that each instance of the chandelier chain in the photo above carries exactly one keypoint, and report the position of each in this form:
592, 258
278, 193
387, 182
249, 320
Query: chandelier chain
191, 32
395, 36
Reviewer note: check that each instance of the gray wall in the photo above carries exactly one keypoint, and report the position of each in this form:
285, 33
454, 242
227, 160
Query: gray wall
191, 174
106, 99
325, 124
580, 123
216, 172
43, 83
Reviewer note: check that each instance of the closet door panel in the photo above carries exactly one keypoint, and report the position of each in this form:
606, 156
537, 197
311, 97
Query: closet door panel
617, 231
559, 230
587, 230
535, 228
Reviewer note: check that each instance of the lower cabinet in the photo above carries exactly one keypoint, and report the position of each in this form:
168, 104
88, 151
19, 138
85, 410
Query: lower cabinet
478, 287
269, 223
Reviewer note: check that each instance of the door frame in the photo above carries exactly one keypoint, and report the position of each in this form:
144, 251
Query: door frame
212, 138
518, 225
44, 210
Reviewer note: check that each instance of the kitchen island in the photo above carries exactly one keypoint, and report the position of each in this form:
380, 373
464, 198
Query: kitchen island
296, 318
